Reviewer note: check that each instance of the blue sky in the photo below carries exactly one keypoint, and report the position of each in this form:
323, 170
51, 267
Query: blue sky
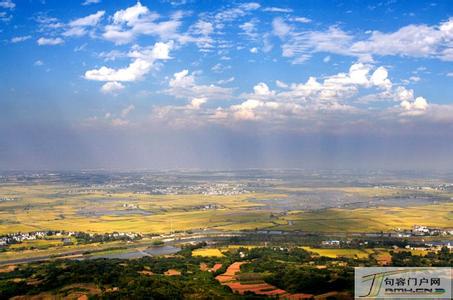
212, 84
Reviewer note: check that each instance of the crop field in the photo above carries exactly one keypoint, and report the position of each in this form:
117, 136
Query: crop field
335, 253
369, 219
53, 208
99, 210
205, 252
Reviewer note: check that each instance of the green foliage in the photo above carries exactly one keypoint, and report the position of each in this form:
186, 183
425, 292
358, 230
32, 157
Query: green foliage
443, 258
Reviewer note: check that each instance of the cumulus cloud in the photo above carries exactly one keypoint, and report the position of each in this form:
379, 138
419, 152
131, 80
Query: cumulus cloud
183, 85
137, 20
143, 60
196, 103
417, 107
112, 87
330, 102
50, 41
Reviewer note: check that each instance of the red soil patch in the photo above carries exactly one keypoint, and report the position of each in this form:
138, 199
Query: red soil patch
147, 273
216, 267
172, 272
203, 267
8, 269
229, 279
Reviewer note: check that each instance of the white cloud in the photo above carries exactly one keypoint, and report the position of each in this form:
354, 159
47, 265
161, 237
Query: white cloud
415, 108
39, 63
4, 17
119, 122
241, 10
277, 10
261, 89
328, 102
300, 45
250, 29
18, 39
203, 28
220, 68
281, 84
280, 28
380, 78
225, 81
135, 71
90, 20
50, 41
112, 87
411, 40
402, 94
183, 85
79, 26
112, 55
254, 50
303, 20
139, 20
140, 66
196, 103
127, 110
89, 2
7, 4
326, 59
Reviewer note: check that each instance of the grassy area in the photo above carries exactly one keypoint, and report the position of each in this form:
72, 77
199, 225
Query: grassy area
36, 244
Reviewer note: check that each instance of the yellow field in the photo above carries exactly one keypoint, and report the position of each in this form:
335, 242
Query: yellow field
56, 207
335, 253
207, 252
370, 219
37, 244
39, 209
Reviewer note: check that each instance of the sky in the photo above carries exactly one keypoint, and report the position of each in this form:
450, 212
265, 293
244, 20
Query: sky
105, 84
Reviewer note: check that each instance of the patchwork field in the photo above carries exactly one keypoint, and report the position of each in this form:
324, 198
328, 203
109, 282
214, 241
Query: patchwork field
37, 207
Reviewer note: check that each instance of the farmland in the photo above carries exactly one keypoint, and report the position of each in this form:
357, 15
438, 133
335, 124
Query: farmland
240, 233
120, 203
